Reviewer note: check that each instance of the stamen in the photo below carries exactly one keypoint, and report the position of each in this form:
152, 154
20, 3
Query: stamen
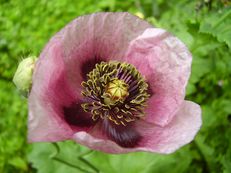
117, 92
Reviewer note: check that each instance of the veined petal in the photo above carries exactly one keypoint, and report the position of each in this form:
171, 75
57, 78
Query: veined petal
97, 37
166, 63
55, 98
54, 107
180, 131
49, 93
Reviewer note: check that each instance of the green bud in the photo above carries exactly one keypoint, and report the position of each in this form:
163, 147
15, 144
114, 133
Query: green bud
23, 75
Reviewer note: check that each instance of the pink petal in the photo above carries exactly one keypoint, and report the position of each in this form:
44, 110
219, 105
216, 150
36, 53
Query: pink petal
180, 131
97, 37
49, 92
63, 63
165, 62
160, 57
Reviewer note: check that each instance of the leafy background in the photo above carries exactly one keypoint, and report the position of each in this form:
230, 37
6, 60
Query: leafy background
204, 25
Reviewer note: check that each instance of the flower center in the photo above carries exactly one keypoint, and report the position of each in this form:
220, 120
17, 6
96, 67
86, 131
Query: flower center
116, 91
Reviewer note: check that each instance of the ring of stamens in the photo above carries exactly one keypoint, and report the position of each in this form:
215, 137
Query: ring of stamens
116, 91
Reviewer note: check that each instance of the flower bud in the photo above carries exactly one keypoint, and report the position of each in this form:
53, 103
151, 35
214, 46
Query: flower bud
23, 75
140, 15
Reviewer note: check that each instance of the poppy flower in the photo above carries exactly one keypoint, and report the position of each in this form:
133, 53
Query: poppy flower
114, 83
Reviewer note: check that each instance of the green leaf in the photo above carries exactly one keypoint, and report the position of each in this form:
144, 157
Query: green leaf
42, 157
200, 67
142, 162
219, 25
19, 163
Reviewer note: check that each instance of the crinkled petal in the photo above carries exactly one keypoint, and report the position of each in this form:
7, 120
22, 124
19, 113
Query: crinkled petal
180, 131
64, 62
49, 93
73, 52
98, 37
165, 62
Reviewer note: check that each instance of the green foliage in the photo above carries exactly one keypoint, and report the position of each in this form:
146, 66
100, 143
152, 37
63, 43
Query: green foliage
205, 26
219, 25
44, 154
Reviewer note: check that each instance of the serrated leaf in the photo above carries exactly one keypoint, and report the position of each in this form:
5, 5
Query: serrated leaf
200, 67
219, 25
41, 157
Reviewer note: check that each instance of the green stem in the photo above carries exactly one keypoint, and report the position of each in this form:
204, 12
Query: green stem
138, 5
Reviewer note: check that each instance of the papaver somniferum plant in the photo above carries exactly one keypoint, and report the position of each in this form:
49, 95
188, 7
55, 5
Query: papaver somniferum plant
114, 83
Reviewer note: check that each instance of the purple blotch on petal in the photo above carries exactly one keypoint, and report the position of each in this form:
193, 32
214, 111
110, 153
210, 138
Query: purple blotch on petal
89, 65
125, 136
75, 116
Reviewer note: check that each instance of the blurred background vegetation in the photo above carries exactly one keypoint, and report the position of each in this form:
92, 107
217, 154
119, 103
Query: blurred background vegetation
204, 25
